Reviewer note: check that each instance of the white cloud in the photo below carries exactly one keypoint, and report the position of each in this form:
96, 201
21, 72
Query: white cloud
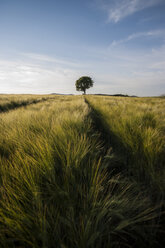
119, 9
152, 33
24, 77
123, 70
113, 69
49, 59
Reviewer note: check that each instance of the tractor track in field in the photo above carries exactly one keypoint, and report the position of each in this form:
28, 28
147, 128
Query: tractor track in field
15, 105
113, 150
122, 157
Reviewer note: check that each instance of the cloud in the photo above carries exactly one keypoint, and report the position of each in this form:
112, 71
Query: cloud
152, 33
19, 76
40, 73
124, 70
49, 59
113, 69
119, 9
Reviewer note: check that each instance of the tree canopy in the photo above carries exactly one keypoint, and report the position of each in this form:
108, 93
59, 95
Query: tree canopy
84, 83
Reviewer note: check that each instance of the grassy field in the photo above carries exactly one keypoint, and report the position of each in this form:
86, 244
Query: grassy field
8, 102
82, 172
136, 130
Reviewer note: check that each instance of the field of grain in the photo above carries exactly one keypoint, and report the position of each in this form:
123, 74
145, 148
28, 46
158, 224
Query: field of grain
8, 102
136, 128
82, 172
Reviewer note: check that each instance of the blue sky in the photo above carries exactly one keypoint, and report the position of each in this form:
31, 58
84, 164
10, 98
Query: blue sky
46, 45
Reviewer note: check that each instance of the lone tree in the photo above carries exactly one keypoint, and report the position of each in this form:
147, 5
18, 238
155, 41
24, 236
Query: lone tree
84, 83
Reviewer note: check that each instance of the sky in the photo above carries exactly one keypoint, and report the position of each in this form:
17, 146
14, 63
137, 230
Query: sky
46, 45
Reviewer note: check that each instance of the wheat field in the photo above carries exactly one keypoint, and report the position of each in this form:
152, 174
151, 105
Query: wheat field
81, 171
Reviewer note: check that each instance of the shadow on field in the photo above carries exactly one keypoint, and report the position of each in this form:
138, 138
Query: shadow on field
118, 159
